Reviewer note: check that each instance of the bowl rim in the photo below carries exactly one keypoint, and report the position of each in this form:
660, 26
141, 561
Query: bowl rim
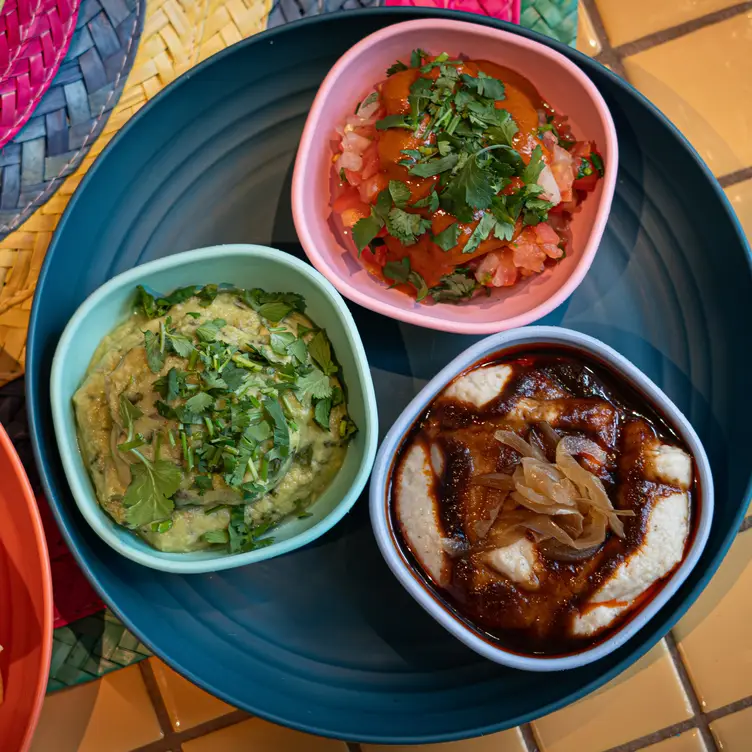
414, 583
40, 540
417, 315
86, 501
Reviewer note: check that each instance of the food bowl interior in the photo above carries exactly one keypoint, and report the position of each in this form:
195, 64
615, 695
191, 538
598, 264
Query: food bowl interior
25, 603
560, 83
431, 597
243, 266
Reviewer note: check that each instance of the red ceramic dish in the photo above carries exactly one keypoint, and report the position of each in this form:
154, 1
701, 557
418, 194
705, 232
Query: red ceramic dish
25, 603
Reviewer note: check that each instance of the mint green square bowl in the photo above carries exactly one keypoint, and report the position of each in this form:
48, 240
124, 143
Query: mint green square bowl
242, 266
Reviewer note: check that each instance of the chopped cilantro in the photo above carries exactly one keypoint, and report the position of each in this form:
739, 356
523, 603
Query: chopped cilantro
447, 239
365, 230
347, 428
199, 403
401, 273
454, 287
155, 355
406, 227
395, 68
209, 330
313, 384
398, 271
534, 167
595, 158
399, 192
321, 351
480, 233
430, 202
416, 58
275, 311
147, 498
217, 536
434, 167
393, 121
322, 411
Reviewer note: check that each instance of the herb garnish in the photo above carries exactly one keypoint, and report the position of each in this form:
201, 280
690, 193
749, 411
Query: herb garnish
466, 141
231, 404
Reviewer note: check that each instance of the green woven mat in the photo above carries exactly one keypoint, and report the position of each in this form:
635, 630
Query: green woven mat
556, 18
96, 645
92, 647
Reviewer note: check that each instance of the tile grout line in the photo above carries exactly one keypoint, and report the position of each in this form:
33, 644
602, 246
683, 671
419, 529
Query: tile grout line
701, 719
680, 30
656, 737
174, 741
157, 701
528, 737
732, 178
607, 55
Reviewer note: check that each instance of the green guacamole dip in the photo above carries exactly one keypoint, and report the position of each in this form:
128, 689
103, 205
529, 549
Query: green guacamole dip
211, 415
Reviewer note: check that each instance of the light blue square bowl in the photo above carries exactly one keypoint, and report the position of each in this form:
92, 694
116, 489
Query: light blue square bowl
242, 266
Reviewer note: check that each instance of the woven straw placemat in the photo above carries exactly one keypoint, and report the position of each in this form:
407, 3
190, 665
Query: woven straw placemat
177, 35
73, 111
34, 38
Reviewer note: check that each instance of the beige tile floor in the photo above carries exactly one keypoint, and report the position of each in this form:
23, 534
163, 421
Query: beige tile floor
692, 692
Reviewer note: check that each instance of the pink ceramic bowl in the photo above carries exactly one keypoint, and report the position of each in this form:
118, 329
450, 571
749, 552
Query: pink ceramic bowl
560, 82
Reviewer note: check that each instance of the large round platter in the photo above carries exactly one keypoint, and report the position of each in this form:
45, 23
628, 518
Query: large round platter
325, 639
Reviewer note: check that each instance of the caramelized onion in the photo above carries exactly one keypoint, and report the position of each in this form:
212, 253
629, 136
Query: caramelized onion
560, 504
519, 444
501, 481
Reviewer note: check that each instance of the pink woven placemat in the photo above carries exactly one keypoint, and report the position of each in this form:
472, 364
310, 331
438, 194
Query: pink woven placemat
506, 10
34, 39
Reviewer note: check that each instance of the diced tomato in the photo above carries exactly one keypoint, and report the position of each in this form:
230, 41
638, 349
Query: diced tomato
350, 217
350, 199
371, 187
515, 184
586, 183
375, 256
354, 178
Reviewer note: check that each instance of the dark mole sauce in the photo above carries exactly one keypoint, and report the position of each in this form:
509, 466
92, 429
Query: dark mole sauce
601, 406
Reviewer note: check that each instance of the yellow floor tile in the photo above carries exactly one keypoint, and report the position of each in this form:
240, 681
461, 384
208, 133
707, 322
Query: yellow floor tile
703, 82
186, 704
714, 636
734, 732
113, 714
587, 39
506, 741
627, 21
259, 736
740, 196
689, 741
625, 709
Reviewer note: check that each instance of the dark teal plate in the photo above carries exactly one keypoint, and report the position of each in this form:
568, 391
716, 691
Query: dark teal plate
325, 639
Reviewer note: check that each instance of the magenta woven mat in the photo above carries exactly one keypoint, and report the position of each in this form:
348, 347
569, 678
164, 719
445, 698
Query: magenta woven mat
506, 10
34, 39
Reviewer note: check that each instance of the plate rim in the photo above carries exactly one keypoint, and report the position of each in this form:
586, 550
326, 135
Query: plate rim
40, 540
584, 62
